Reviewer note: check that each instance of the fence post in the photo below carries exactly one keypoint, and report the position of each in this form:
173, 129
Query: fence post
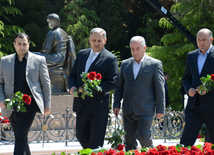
66, 127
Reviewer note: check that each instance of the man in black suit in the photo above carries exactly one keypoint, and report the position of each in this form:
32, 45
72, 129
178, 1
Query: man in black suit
92, 112
166, 78
200, 107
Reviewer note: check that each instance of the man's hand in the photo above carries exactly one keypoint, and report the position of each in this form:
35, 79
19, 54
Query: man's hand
72, 91
192, 92
159, 115
2, 105
116, 111
203, 92
46, 112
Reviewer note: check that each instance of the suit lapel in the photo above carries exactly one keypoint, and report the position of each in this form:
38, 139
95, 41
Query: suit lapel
144, 63
12, 61
130, 69
29, 61
210, 56
85, 58
195, 62
98, 59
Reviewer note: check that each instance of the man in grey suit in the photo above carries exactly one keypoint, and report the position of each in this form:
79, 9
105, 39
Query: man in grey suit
28, 73
141, 86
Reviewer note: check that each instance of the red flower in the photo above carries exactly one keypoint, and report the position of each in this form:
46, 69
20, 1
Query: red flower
161, 148
120, 153
26, 99
120, 147
212, 77
166, 152
199, 136
99, 153
93, 153
98, 76
91, 75
112, 152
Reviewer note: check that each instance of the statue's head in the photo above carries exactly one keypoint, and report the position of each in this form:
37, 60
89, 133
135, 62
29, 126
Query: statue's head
53, 20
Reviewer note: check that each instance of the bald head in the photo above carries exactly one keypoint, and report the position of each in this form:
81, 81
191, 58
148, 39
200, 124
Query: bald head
205, 31
204, 40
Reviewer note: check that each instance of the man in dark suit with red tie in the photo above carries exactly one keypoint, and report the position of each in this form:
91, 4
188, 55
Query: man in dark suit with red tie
200, 105
92, 112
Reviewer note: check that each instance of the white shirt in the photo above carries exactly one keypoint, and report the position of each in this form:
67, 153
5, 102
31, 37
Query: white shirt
136, 67
95, 54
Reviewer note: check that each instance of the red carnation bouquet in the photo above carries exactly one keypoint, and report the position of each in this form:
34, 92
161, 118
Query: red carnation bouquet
91, 81
18, 101
207, 83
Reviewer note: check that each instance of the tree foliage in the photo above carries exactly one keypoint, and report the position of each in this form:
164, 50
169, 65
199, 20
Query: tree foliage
78, 21
33, 18
7, 31
194, 15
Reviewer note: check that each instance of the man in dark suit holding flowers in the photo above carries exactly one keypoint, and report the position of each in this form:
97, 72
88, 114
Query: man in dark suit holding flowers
200, 105
92, 112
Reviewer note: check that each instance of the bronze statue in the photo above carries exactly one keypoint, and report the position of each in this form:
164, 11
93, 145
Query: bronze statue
59, 51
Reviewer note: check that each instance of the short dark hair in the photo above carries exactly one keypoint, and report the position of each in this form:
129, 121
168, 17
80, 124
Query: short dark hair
21, 35
165, 73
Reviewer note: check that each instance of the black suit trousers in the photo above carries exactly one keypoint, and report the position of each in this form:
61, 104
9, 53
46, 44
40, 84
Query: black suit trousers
137, 127
91, 129
194, 119
21, 123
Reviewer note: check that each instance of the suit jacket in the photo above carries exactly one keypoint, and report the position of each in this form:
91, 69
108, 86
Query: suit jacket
107, 65
166, 95
191, 79
37, 78
142, 95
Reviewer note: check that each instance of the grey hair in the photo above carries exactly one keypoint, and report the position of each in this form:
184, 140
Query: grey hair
138, 38
54, 17
98, 30
206, 30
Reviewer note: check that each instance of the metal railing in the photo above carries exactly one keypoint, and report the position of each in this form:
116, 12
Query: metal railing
59, 127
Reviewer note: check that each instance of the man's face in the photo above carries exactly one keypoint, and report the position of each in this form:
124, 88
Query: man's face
137, 50
166, 77
97, 42
22, 46
204, 41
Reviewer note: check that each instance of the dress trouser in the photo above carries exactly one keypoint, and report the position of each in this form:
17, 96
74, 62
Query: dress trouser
21, 123
194, 119
137, 127
91, 129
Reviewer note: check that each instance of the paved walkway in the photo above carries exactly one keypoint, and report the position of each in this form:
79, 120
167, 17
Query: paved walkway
72, 147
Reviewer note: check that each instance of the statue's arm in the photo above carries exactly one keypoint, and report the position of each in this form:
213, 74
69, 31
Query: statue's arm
48, 43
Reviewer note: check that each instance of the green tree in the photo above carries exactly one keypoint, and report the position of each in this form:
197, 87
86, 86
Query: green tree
78, 21
33, 18
7, 31
111, 14
194, 15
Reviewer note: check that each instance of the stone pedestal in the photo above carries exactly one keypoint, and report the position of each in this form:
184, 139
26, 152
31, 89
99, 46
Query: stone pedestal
59, 103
